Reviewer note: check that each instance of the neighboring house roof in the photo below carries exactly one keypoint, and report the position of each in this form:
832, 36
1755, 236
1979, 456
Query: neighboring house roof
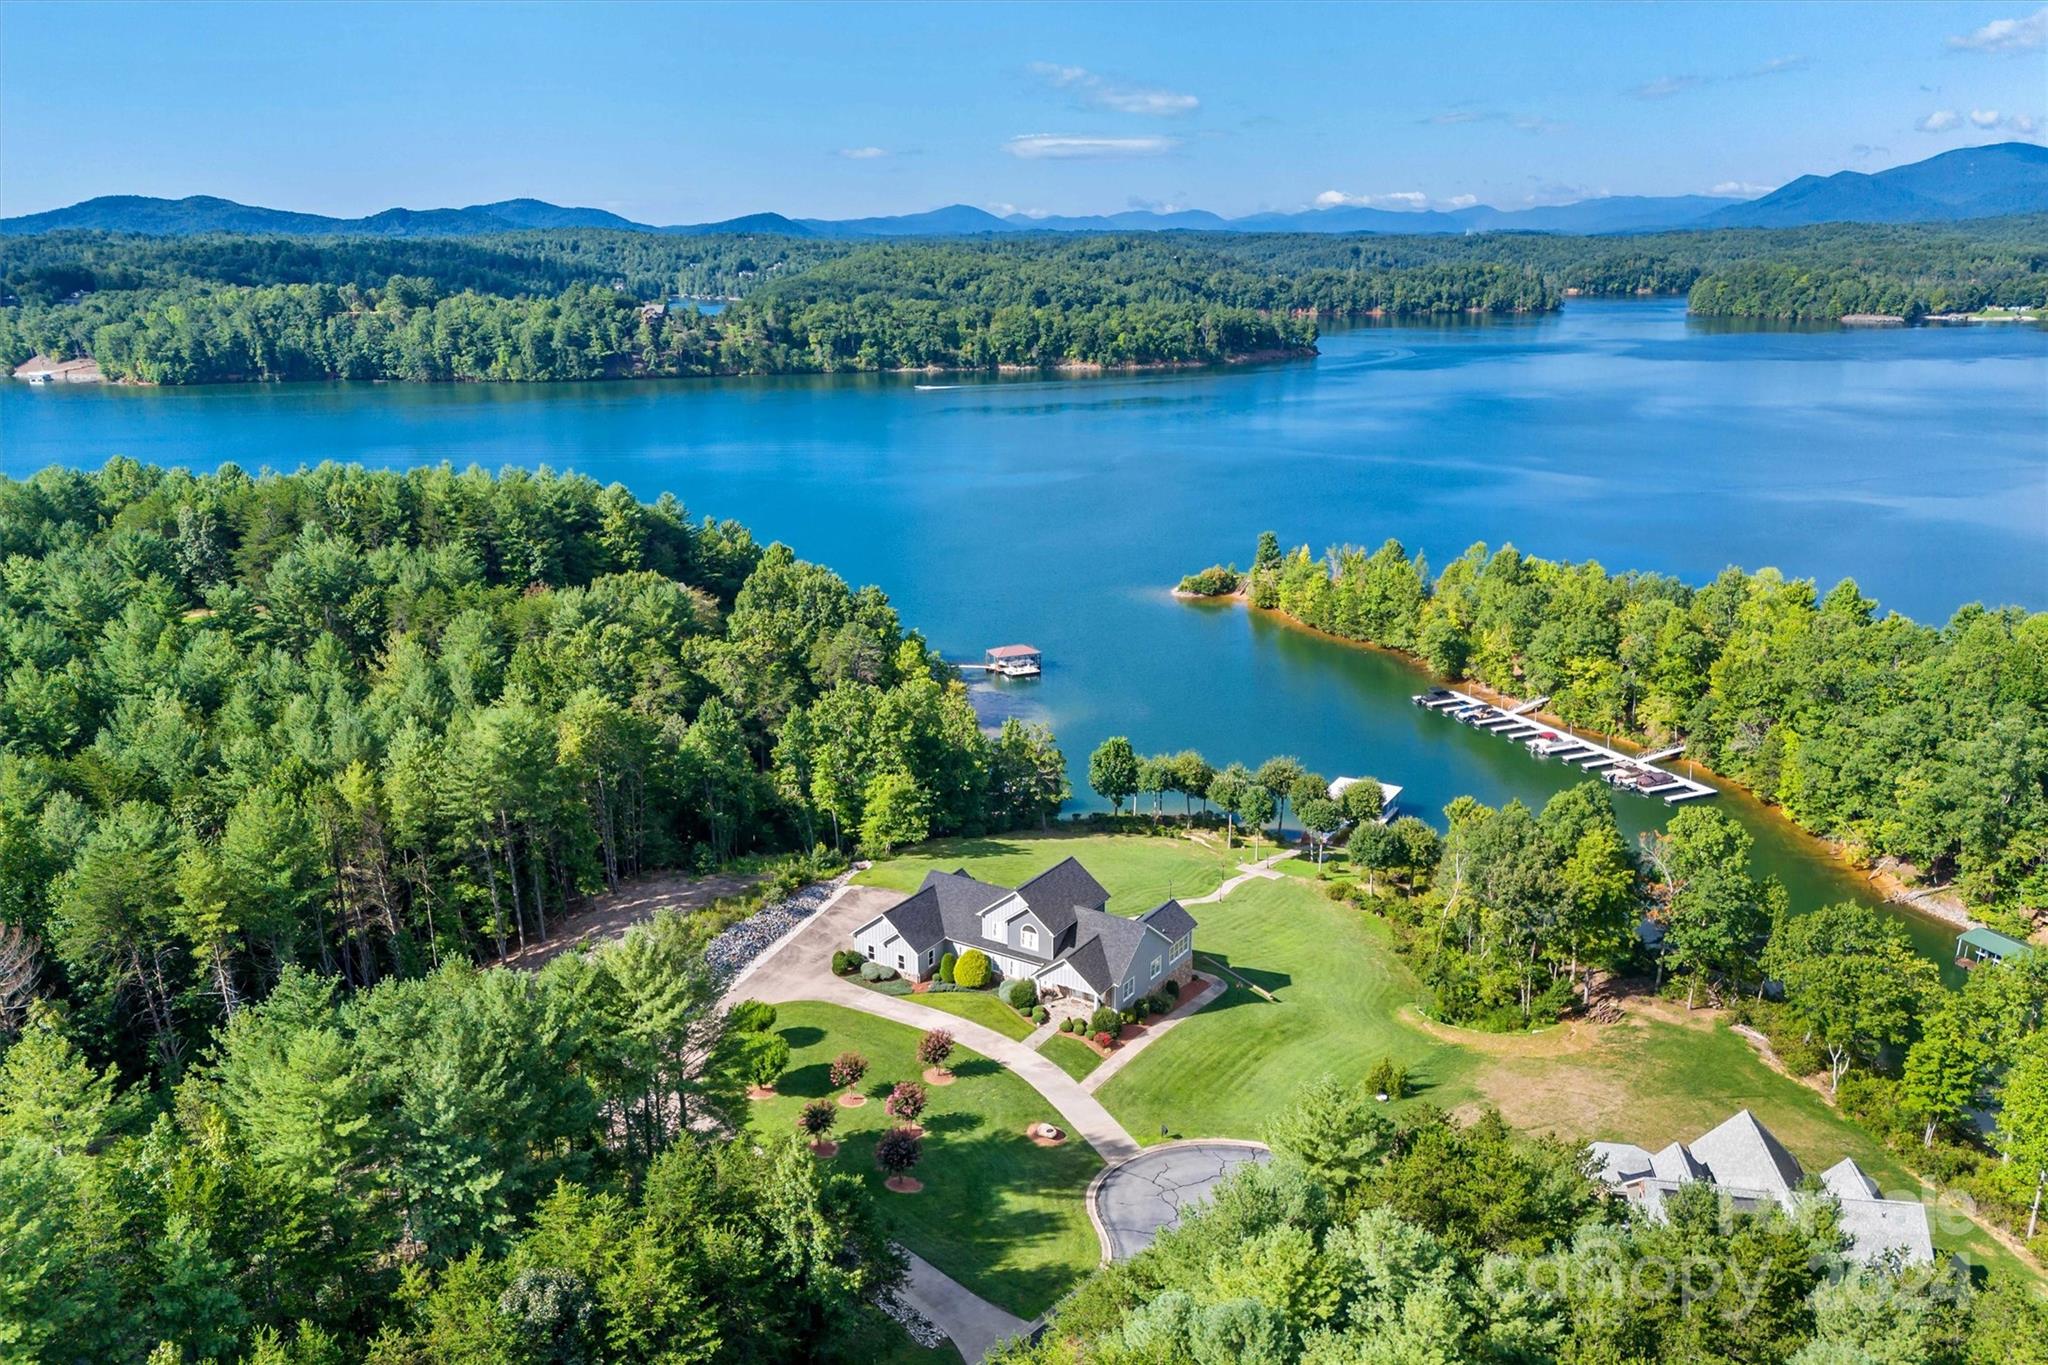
1675, 1163
1170, 919
1846, 1180
1743, 1154
1878, 1227
1061, 889
1752, 1171
1620, 1161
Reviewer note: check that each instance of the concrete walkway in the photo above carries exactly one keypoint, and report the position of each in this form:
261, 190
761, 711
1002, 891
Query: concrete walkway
974, 1324
1117, 1060
800, 968
1262, 869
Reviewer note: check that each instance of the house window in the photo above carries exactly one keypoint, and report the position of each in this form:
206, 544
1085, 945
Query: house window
871, 952
1180, 946
1130, 989
1028, 939
1155, 967
899, 962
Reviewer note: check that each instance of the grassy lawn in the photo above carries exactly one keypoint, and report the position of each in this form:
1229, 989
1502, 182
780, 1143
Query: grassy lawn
1344, 999
1070, 1055
998, 1213
981, 1007
1139, 872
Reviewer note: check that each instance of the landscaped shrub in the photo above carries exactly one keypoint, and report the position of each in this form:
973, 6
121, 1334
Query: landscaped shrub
847, 1069
1104, 1020
906, 1101
1388, 1078
897, 1150
1022, 994
876, 971
1039, 1016
935, 1047
973, 969
767, 1057
845, 962
750, 1016
946, 965
1172, 989
817, 1117
1103, 1040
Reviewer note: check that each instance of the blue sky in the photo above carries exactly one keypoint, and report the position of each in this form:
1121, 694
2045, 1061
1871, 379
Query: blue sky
688, 113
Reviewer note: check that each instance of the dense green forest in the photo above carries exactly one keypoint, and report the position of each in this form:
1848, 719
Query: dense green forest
1370, 1242
566, 304
371, 722
264, 741
1901, 740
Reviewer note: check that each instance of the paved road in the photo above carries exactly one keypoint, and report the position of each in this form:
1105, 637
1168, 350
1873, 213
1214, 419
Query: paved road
974, 1324
1131, 1203
801, 969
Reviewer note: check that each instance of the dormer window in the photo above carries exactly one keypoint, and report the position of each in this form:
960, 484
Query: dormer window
1028, 938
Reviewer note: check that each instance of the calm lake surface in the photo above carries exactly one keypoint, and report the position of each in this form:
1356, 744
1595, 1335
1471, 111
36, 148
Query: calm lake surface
1059, 512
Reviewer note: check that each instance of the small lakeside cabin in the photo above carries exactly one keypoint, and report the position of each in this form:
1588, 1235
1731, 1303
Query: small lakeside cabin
1016, 661
1978, 946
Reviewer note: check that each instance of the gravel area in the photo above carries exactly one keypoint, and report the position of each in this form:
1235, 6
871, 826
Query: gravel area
751, 937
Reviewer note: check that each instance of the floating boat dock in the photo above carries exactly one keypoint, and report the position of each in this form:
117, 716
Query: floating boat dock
1625, 772
1012, 661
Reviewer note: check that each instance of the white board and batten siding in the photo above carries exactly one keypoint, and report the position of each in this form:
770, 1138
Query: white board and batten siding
878, 942
1063, 975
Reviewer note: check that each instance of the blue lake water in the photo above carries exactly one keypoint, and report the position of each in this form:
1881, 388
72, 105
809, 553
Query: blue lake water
1059, 512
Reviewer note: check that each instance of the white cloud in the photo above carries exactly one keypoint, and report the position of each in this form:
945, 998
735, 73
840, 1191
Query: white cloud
1940, 121
863, 153
1739, 189
1777, 66
2026, 125
1113, 95
1984, 118
1399, 199
2006, 35
1528, 123
1450, 116
1536, 123
1664, 87
1461, 201
1060, 147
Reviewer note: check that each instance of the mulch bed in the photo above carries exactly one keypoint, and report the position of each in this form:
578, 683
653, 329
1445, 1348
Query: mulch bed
938, 1076
824, 1149
760, 1092
1035, 1133
904, 1184
852, 1101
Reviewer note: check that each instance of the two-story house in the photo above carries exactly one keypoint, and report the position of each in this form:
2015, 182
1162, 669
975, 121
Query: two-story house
1054, 929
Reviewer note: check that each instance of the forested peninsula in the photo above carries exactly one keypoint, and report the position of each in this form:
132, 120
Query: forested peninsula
594, 304
1897, 740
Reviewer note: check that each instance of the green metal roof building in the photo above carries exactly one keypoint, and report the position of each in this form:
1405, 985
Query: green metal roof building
1988, 945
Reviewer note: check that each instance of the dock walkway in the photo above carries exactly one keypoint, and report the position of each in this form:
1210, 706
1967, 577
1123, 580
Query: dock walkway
1625, 771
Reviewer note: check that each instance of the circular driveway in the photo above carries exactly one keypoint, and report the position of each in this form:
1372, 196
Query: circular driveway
1134, 1200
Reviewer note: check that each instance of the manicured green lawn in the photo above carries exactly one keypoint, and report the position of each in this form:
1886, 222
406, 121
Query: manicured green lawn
1070, 1055
998, 1213
1343, 999
1138, 872
981, 1007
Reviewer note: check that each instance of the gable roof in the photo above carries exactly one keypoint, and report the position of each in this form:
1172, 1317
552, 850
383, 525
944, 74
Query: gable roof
918, 919
1061, 889
1879, 1226
1846, 1180
1743, 1154
1677, 1164
1170, 919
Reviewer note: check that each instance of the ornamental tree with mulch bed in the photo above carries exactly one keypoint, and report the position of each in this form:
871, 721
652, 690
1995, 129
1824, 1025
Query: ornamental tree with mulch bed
933, 1049
847, 1069
905, 1103
815, 1120
896, 1151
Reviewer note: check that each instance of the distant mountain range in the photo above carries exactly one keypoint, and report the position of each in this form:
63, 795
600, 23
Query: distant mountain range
1970, 182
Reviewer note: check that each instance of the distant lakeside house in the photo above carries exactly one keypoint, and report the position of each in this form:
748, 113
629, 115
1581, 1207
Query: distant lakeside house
1745, 1162
1054, 930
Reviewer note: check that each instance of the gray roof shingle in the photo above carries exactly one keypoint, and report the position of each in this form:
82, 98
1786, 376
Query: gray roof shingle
1743, 1154
918, 918
1170, 919
1061, 889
